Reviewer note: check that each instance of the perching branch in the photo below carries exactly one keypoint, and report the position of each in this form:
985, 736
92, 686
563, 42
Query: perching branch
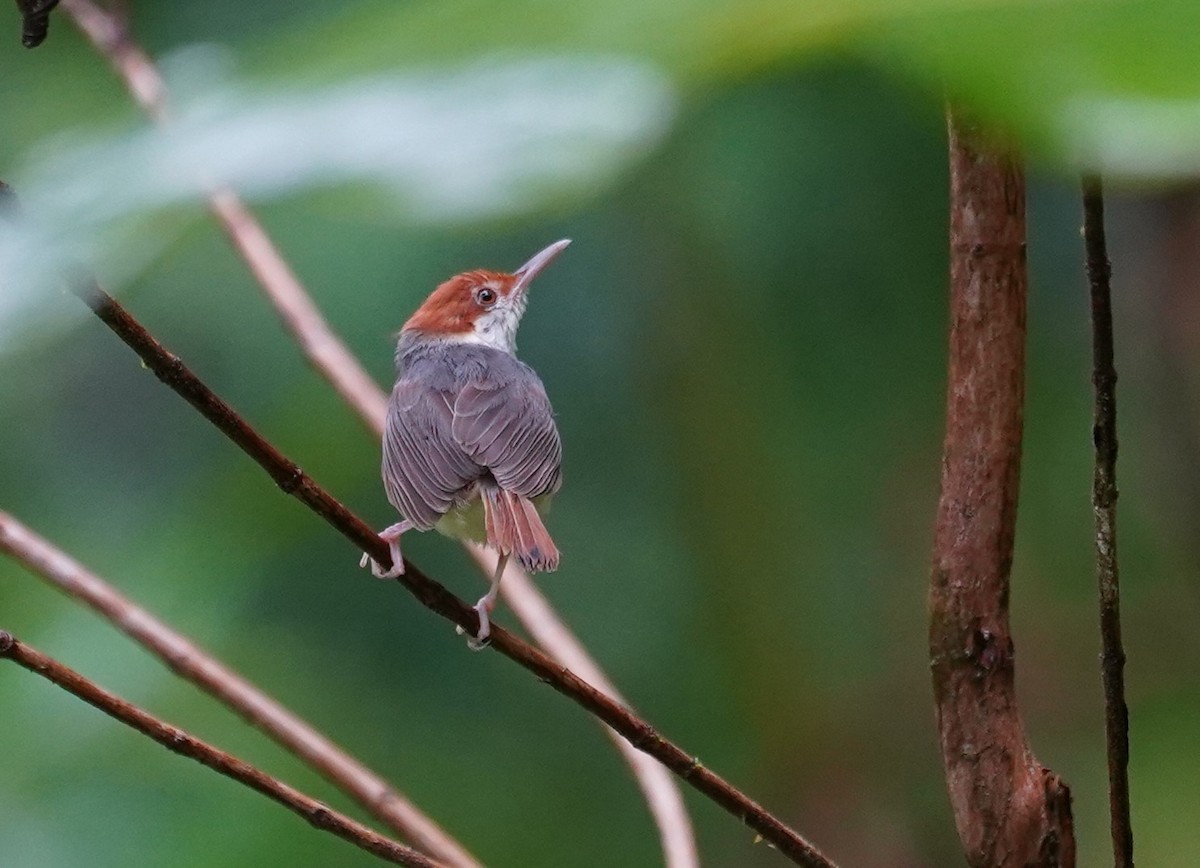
191, 663
290, 731
178, 741
1009, 809
548, 630
327, 353
330, 357
333, 360
289, 477
1104, 506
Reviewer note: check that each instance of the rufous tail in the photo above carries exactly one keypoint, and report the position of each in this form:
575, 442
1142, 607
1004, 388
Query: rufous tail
515, 528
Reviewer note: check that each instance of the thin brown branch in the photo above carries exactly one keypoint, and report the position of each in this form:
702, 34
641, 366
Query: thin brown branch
300, 316
171, 371
35, 20
662, 795
110, 35
375, 794
226, 686
176, 740
112, 40
1009, 809
328, 354
1104, 507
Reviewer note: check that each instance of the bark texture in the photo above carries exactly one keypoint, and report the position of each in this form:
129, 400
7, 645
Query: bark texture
1104, 507
1009, 809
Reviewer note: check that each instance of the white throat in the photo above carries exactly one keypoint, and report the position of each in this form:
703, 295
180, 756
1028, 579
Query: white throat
496, 338
497, 328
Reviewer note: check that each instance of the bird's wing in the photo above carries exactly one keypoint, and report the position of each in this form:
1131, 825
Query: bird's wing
509, 429
424, 468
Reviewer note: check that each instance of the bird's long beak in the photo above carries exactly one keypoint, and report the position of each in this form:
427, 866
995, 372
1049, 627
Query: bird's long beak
531, 269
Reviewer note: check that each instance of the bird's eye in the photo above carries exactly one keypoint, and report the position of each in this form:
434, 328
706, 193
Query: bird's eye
485, 295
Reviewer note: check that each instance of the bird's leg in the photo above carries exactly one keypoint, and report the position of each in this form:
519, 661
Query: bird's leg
392, 535
484, 607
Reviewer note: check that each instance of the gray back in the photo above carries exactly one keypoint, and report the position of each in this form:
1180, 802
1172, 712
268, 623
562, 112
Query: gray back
462, 415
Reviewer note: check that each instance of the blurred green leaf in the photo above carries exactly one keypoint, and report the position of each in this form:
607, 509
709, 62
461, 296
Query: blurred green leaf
1111, 85
488, 140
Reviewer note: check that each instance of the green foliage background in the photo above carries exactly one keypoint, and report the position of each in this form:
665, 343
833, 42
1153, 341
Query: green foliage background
745, 347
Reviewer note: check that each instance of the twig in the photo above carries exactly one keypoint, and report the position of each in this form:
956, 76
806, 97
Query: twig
35, 21
658, 787
293, 733
1104, 506
1009, 809
189, 662
333, 360
110, 36
289, 477
178, 741
329, 356
299, 314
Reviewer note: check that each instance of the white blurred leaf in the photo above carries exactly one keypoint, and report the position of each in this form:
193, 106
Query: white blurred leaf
497, 138
1154, 140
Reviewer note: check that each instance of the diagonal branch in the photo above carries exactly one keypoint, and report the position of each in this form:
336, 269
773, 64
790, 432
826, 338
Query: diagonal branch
1104, 506
544, 624
327, 353
374, 793
190, 662
334, 361
298, 312
178, 741
289, 477
109, 34
1010, 810
329, 356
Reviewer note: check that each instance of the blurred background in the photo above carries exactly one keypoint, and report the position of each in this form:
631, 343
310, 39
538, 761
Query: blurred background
745, 347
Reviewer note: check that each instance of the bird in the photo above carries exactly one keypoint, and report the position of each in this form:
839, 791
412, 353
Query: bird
470, 446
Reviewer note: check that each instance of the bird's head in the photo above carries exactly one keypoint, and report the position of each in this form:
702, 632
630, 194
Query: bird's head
480, 307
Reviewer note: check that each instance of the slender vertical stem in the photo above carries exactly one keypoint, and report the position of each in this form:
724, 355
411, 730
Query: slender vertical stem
1010, 810
1104, 508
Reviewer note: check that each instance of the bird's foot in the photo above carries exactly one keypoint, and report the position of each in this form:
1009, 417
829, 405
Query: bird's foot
392, 535
483, 638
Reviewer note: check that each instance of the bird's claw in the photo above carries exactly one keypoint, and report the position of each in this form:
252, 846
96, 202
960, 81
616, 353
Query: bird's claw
484, 637
379, 572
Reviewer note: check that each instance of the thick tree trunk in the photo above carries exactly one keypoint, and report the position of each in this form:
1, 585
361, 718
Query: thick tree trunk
1009, 809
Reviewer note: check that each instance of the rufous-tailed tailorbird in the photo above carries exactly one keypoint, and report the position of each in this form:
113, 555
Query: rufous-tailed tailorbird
470, 446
